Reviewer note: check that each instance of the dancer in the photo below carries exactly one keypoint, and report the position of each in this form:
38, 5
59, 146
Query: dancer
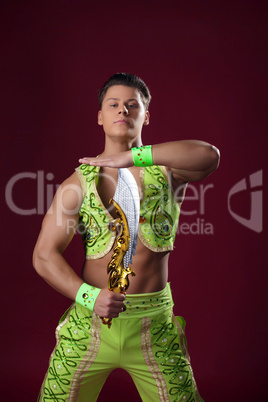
145, 337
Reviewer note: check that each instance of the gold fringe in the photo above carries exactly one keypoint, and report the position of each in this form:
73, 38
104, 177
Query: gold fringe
82, 181
150, 361
88, 359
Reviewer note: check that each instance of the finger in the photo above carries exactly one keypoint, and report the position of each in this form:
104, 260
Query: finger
118, 296
113, 315
115, 304
90, 159
85, 160
114, 312
98, 162
110, 162
117, 310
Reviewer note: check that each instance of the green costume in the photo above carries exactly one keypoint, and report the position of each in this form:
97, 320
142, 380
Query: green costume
146, 340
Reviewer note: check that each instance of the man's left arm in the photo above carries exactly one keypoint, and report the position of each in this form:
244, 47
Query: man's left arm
189, 160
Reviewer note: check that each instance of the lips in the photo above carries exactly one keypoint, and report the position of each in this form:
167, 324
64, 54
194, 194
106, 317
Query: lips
121, 121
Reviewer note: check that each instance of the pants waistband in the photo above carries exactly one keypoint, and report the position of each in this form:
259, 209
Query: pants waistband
147, 304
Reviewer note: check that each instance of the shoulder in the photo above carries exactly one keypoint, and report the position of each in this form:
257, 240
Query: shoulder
69, 195
71, 184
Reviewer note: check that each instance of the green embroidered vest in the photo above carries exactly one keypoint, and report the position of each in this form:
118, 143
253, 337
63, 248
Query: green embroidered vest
159, 212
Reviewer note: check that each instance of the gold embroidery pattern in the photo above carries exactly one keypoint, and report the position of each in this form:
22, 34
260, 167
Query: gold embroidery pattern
150, 361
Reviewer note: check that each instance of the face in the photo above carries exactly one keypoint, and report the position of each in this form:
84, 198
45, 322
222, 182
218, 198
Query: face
123, 113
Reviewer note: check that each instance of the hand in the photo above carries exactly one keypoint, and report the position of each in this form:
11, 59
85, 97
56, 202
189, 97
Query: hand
120, 160
109, 304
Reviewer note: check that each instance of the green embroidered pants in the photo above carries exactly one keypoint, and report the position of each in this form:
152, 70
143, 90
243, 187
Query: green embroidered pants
147, 341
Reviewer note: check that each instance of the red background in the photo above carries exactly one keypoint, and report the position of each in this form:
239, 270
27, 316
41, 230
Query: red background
206, 66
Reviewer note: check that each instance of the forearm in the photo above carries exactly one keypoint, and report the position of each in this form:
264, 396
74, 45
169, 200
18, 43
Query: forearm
58, 274
192, 159
55, 270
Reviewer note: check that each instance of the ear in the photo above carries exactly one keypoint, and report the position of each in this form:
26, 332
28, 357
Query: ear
100, 123
146, 119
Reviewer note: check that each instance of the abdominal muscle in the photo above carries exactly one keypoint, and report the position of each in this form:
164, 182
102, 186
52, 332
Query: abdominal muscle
151, 271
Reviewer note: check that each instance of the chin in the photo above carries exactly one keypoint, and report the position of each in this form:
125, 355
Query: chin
123, 135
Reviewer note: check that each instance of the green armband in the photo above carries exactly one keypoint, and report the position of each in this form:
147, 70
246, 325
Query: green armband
142, 156
87, 295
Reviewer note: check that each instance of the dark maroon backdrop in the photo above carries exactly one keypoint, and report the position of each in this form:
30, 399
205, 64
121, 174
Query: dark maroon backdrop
206, 66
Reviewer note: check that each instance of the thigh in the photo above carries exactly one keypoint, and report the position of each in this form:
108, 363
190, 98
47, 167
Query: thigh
164, 373
72, 374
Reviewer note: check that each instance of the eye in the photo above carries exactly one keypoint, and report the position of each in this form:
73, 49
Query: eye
132, 105
113, 105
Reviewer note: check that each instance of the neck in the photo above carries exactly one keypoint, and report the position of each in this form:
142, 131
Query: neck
114, 146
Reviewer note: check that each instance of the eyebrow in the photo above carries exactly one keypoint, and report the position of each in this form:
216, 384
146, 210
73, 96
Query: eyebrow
131, 99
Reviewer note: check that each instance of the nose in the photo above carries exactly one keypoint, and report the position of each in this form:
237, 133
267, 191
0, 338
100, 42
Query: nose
123, 110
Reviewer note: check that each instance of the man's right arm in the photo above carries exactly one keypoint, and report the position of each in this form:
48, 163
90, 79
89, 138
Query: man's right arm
58, 228
57, 231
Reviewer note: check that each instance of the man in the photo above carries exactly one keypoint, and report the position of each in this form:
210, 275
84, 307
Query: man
145, 338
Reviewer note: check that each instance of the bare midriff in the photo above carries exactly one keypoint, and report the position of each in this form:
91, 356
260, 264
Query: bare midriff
151, 271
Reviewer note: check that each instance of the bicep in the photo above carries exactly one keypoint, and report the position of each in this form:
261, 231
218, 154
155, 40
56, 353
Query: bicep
57, 232
202, 161
61, 220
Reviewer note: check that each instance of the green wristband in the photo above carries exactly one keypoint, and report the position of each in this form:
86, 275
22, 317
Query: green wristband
87, 295
142, 156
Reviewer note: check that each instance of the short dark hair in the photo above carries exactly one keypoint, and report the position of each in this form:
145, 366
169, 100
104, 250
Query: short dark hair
129, 80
